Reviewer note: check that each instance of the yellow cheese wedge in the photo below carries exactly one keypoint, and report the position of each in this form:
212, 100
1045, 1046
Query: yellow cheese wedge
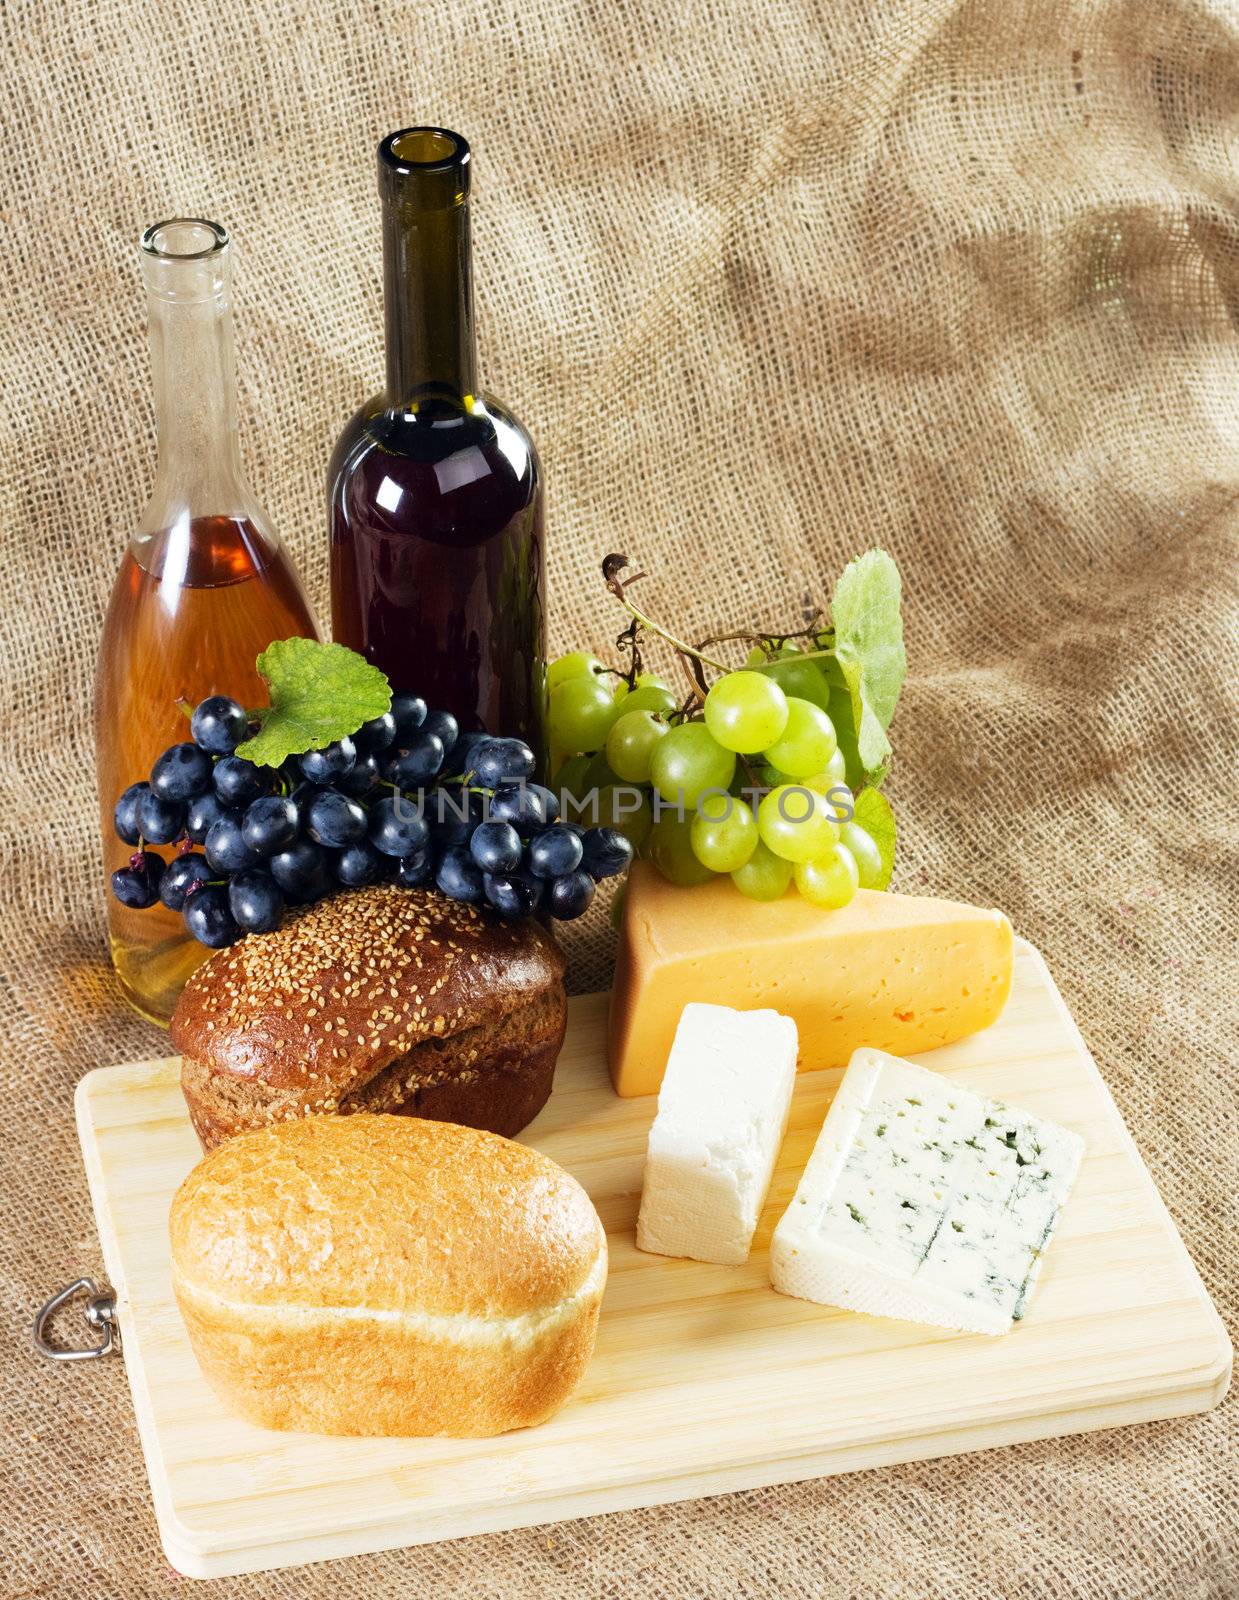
897, 972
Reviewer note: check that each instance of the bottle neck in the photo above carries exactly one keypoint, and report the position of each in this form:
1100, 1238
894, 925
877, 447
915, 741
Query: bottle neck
427, 268
193, 370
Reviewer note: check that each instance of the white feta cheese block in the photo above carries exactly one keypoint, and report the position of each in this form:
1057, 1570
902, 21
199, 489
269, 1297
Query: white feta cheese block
722, 1114
924, 1201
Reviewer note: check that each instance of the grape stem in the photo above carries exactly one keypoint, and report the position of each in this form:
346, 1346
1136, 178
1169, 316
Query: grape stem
630, 640
770, 642
801, 655
691, 702
693, 657
748, 771
611, 569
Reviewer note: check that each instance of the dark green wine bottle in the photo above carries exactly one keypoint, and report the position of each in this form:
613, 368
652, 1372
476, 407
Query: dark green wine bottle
435, 492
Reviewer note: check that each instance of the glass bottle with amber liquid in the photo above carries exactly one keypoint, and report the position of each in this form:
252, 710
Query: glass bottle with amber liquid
203, 588
435, 492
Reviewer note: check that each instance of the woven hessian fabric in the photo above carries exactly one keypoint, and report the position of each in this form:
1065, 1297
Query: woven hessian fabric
770, 282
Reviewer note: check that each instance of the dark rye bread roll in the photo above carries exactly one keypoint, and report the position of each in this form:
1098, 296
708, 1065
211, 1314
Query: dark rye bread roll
382, 1000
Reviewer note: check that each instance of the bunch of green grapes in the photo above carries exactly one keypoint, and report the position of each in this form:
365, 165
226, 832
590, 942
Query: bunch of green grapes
681, 783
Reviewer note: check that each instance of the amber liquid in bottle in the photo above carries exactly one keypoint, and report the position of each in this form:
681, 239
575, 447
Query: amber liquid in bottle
204, 587
435, 492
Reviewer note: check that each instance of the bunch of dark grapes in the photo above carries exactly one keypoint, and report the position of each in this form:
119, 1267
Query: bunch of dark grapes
407, 799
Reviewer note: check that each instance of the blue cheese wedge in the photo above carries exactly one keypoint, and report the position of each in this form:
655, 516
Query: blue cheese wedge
923, 1201
722, 1113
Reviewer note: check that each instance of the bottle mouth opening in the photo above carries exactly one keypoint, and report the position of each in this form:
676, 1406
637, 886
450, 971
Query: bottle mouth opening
185, 239
411, 150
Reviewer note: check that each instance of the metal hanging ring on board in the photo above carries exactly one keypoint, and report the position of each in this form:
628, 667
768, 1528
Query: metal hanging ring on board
100, 1314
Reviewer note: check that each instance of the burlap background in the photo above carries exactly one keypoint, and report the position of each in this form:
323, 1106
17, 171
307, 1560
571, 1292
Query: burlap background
770, 281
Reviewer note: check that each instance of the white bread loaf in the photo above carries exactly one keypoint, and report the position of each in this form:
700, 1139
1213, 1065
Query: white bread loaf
387, 1275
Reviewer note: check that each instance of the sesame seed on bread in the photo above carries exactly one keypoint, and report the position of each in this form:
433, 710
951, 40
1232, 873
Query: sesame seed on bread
382, 999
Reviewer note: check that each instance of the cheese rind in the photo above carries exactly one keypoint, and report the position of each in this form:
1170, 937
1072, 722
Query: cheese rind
722, 1114
924, 1201
902, 973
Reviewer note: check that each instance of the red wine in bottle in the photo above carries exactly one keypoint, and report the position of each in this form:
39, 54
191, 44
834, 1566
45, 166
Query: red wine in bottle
435, 492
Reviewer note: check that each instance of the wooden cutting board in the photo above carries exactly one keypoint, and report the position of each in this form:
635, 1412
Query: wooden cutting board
704, 1379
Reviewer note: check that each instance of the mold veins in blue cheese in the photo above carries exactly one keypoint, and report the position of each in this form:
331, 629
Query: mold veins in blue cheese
924, 1201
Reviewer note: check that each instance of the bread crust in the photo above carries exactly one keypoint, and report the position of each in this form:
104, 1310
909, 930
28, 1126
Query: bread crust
383, 1275
386, 999
364, 1379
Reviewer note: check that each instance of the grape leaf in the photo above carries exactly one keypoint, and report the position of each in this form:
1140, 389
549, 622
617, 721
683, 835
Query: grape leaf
872, 812
868, 657
839, 709
319, 693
